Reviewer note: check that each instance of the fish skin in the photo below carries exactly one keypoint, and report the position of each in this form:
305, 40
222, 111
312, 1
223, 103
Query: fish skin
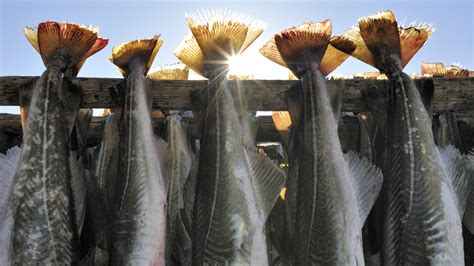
325, 194
179, 240
228, 220
139, 232
421, 223
41, 201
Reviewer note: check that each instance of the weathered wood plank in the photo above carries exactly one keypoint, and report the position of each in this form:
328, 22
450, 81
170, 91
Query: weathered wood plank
267, 132
450, 94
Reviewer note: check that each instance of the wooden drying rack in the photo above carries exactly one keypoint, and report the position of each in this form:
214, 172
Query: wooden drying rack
263, 95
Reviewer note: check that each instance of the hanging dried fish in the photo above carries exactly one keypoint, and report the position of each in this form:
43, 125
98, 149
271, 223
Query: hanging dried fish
331, 189
426, 187
236, 187
41, 203
139, 232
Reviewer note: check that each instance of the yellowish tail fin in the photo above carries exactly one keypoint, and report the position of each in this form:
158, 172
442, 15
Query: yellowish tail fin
289, 47
454, 71
412, 39
439, 70
282, 120
141, 52
433, 69
382, 44
240, 77
215, 37
76, 42
172, 72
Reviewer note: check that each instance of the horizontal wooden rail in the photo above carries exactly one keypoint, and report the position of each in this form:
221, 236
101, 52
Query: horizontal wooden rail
450, 94
10, 124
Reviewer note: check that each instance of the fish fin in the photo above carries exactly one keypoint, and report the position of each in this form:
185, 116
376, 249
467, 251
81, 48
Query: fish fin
381, 35
79, 190
96, 232
172, 72
267, 179
189, 52
303, 45
334, 57
189, 192
468, 218
282, 122
433, 69
454, 71
412, 39
228, 33
466, 133
182, 247
278, 230
367, 182
250, 130
71, 40
141, 52
448, 132
99, 44
361, 50
164, 158
377, 101
31, 35
460, 175
335, 90
8, 165
83, 122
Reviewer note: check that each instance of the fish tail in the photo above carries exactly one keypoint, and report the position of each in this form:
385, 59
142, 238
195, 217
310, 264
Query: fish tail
338, 51
136, 53
172, 72
296, 47
433, 69
215, 37
55, 40
281, 120
412, 39
380, 34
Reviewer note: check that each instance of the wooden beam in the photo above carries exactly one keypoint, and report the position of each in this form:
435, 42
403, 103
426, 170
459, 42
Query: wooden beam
450, 94
348, 128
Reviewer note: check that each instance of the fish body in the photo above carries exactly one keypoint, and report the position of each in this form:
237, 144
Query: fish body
181, 162
425, 187
41, 197
228, 223
139, 231
140, 219
236, 187
330, 188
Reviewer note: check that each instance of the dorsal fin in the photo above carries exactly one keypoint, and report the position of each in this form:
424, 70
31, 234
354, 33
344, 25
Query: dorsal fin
468, 218
291, 47
367, 182
138, 52
458, 170
77, 42
215, 37
267, 179
8, 163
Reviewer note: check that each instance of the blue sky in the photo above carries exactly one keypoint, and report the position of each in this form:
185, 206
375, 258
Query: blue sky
122, 21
